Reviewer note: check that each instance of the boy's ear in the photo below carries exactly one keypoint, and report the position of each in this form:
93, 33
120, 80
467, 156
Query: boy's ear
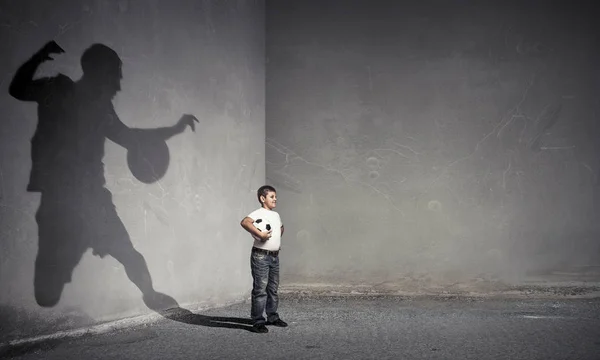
262, 199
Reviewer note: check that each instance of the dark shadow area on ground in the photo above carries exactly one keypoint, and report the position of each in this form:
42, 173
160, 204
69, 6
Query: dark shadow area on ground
185, 316
13, 351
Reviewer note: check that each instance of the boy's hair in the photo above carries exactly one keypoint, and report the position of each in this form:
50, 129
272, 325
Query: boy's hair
263, 191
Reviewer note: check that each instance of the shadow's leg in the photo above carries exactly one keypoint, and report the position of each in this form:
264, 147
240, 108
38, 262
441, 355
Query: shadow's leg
60, 248
51, 277
137, 271
135, 266
115, 241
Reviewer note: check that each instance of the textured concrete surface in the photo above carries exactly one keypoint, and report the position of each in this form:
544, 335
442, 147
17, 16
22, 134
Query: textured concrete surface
433, 147
447, 140
571, 281
357, 328
204, 58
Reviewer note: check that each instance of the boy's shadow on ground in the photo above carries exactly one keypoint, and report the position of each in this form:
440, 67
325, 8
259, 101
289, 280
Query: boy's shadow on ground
169, 309
186, 316
174, 312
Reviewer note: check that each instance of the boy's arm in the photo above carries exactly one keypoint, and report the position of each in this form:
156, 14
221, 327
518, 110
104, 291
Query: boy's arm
282, 229
248, 224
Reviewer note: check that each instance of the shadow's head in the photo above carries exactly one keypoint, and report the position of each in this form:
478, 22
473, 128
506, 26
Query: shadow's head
102, 69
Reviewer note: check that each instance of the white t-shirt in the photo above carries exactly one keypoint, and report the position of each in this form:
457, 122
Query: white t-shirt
274, 243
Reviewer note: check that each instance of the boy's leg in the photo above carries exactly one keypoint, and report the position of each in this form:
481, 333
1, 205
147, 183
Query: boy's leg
272, 294
260, 274
272, 287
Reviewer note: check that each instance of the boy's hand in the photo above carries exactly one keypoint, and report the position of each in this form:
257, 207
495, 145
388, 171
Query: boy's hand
266, 235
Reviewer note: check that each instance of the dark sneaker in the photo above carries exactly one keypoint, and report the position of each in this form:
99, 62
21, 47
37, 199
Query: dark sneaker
260, 328
278, 322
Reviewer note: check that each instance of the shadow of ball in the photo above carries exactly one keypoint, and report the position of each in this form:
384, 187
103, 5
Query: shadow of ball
148, 160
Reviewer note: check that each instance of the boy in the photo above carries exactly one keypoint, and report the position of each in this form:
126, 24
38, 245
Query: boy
264, 260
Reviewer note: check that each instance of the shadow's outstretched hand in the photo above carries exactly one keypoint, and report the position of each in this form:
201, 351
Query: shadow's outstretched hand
187, 120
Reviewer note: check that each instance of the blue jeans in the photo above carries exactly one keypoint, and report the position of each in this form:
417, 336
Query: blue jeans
265, 272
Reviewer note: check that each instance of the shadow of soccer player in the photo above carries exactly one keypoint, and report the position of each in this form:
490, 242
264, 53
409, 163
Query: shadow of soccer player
76, 211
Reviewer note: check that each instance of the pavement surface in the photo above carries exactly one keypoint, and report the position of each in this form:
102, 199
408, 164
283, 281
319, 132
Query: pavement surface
354, 327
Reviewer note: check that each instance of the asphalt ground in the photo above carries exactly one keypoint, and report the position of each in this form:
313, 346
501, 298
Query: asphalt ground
353, 327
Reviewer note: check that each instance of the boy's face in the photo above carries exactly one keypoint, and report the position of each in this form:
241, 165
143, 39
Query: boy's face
269, 201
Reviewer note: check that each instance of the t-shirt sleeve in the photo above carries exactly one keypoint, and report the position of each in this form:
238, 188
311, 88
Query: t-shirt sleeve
254, 215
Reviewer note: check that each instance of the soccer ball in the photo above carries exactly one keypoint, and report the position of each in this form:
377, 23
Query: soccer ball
261, 225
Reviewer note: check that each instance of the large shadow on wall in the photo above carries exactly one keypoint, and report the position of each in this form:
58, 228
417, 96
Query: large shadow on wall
76, 211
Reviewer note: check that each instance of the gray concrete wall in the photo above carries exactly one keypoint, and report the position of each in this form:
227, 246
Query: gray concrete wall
434, 141
204, 58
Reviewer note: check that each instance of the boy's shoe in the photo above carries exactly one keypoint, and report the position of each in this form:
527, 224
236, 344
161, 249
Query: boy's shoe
260, 328
278, 322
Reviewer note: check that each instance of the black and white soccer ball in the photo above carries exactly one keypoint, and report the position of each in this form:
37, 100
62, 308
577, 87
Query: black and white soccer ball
261, 225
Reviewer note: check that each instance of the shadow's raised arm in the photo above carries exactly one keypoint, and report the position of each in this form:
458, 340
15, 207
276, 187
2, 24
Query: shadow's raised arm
23, 87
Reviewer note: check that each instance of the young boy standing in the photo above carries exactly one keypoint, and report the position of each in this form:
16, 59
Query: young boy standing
264, 260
